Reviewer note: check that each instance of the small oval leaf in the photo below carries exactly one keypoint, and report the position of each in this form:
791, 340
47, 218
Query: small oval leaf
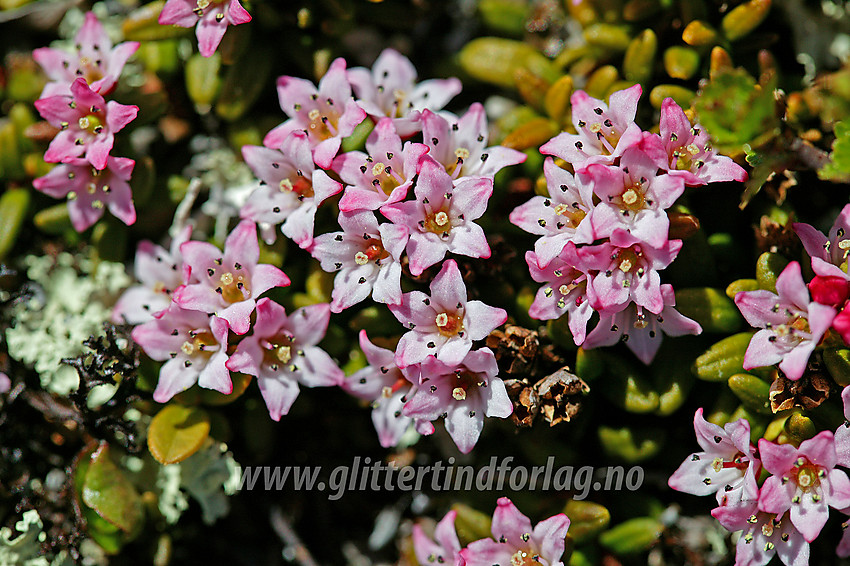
177, 432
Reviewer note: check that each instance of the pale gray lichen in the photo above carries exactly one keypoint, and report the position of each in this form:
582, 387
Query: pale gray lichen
75, 300
209, 476
229, 179
25, 549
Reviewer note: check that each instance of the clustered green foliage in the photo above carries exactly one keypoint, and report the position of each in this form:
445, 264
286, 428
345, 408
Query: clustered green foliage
723, 62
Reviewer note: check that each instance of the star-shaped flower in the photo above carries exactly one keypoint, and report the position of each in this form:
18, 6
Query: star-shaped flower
688, 153
90, 190
642, 331
792, 324
626, 270
390, 89
87, 124
460, 145
559, 218
444, 548
193, 346
516, 542
382, 383
210, 19
805, 481
462, 393
227, 284
633, 197
604, 132
292, 189
326, 114
829, 254
564, 290
441, 217
443, 324
367, 257
384, 175
726, 461
93, 59
282, 352
160, 272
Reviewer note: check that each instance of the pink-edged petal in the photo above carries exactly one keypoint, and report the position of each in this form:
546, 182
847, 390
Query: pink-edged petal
550, 535
237, 14
265, 277
448, 288
320, 370
510, 524
279, 395
761, 351
482, 319
777, 458
173, 378
464, 430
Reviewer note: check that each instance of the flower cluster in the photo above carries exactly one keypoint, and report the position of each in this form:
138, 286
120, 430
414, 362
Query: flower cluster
73, 101
403, 203
603, 229
794, 320
514, 540
196, 306
779, 515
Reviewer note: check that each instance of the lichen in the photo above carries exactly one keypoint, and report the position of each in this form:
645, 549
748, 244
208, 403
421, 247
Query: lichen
74, 300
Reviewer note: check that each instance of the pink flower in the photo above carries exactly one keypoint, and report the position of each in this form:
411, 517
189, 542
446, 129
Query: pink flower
604, 132
829, 255
282, 352
633, 197
841, 323
326, 114
441, 217
367, 258
292, 189
382, 383
390, 89
443, 324
87, 123
640, 331
792, 324
724, 465
89, 190
627, 270
519, 543
210, 19
805, 481
842, 433
160, 272
384, 175
462, 393
227, 284
460, 145
829, 290
564, 292
764, 535
444, 549
559, 218
5, 383
688, 153
193, 346
94, 59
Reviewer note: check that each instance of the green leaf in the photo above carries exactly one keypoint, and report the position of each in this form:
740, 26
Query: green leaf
632, 536
838, 168
711, 308
587, 519
736, 110
108, 491
177, 432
